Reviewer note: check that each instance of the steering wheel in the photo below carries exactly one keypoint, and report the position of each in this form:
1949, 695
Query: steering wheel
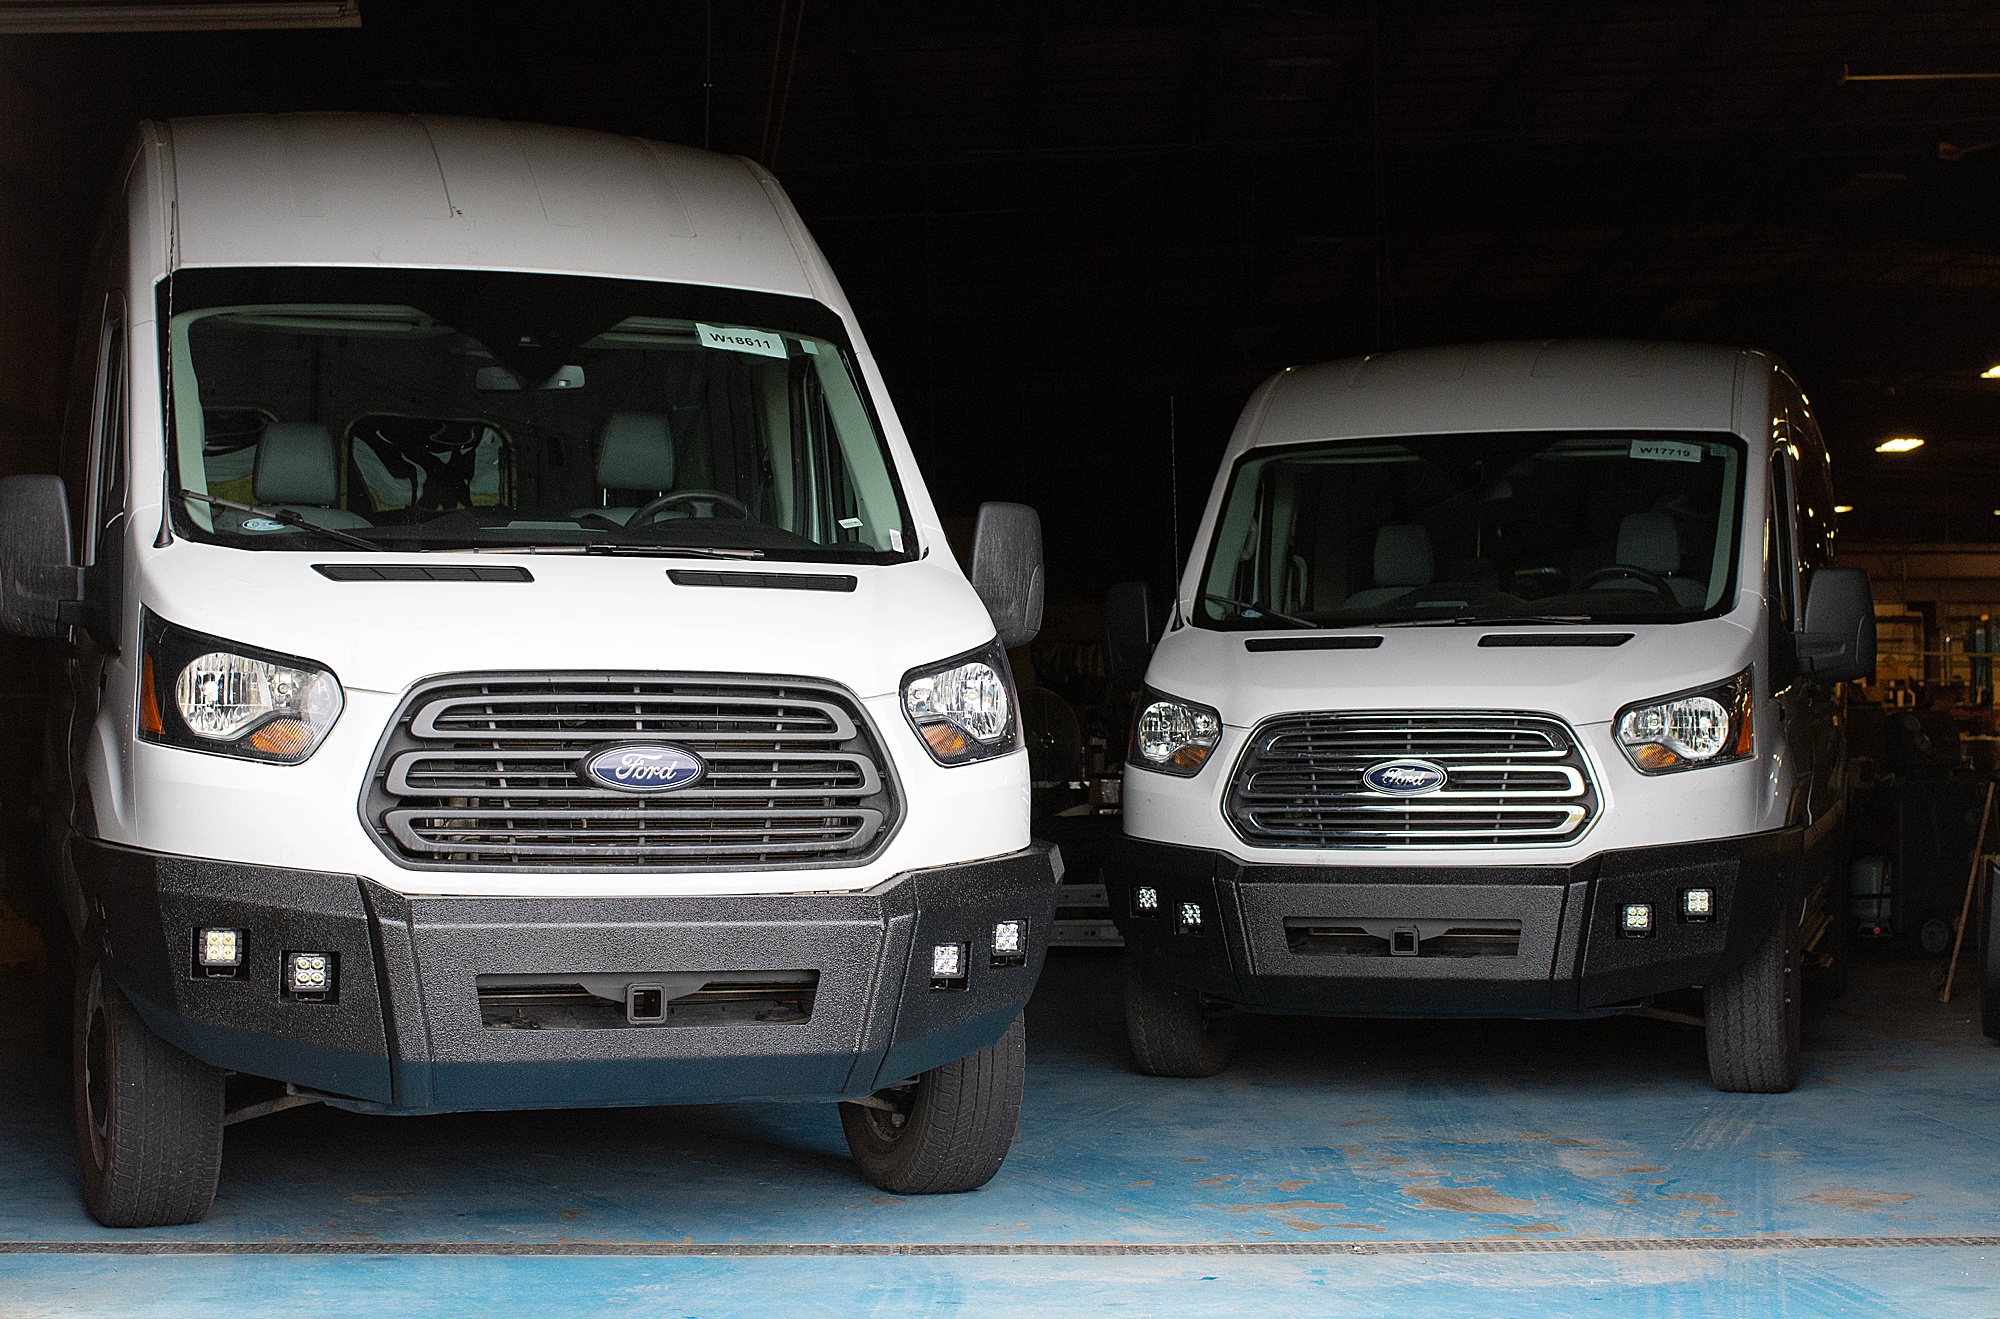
715, 498
1651, 580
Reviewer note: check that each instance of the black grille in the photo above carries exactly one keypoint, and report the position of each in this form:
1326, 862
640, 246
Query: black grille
481, 772
1510, 779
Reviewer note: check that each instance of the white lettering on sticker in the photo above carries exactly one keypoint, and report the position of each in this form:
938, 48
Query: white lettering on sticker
1665, 451
736, 340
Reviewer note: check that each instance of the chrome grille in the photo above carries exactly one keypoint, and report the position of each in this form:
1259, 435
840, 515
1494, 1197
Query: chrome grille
1510, 779
481, 772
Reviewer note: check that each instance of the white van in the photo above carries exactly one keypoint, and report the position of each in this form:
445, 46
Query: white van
512, 662
1503, 681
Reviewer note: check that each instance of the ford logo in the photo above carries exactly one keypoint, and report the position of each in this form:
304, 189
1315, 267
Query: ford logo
1404, 778
643, 767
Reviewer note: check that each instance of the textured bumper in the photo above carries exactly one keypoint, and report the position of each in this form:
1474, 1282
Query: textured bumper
405, 1034
1254, 946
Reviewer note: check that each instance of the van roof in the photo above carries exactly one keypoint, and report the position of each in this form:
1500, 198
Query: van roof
1531, 385
435, 191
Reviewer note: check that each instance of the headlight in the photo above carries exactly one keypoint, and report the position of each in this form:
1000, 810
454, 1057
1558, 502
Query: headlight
206, 694
963, 708
1173, 736
1708, 726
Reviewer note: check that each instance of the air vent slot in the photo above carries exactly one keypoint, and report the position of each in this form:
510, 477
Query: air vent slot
763, 581
1539, 639
1316, 937
422, 572
1255, 644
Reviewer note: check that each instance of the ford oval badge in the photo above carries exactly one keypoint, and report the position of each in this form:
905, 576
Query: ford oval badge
643, 767
1404, 778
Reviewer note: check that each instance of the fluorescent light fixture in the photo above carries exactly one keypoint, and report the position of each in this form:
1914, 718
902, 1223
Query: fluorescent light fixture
1843, 508
23, 16
1899, 444
1990, 373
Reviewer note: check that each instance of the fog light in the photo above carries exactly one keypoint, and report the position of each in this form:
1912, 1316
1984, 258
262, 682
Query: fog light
1190, 918
310, 975
1145, 901
948, 966
219, 952
1697, 904
1635, 920
1007, 938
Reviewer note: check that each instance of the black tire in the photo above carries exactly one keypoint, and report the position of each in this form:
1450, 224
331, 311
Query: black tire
148, 1117
948, 1130
1172, 1030
1989, 966
1753, 1017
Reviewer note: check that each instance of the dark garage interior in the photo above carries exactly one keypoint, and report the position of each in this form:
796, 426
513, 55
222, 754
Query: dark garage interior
1078, 239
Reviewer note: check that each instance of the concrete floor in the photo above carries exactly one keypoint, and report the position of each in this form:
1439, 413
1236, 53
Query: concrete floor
1534, 1169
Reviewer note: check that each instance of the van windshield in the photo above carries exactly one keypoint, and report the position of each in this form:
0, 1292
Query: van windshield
1638, 526
421, 410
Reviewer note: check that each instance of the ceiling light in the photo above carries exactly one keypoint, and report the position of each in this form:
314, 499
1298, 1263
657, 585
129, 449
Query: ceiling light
1843, 508
1900, 444
1990, 373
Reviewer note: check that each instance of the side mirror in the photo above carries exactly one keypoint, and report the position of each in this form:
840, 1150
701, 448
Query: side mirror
1128, 635
1838, 644
39, 584
1007, 570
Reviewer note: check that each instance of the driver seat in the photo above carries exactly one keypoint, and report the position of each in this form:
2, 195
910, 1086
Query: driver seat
297, 470
635, 452
1651, 543
1403, 562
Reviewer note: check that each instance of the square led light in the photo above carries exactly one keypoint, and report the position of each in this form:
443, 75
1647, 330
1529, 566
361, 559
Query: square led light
1145, 901
1007, 938
1190, 918
1697, 904
948, 961
1635, 920
309, 975
219, 949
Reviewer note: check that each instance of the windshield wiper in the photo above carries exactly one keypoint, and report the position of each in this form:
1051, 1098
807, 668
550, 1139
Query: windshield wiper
1505, 620
1245, 609
674, 551
288, 518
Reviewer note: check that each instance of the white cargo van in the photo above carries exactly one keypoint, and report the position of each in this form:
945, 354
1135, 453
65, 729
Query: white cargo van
512, 662
1503, 681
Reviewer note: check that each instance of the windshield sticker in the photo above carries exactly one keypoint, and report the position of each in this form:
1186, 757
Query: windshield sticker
895, 540
1665, 451
740, 341
849, 524
262, 524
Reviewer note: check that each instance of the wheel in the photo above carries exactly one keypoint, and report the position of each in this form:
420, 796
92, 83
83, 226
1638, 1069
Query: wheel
148, 1117
1753, 1017
949, 1129
1173, 1032
1989, 966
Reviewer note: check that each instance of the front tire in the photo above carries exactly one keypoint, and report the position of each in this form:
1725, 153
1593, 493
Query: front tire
1754, 1018
1989, 966
1173, 1032
949, 1129
148, 1117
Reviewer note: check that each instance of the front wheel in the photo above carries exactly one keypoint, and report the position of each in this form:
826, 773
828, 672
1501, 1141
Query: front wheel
1753, 1017
946, 1131
1173, 1030
148, 1117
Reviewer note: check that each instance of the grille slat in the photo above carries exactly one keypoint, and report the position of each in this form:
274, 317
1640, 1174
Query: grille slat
1510, 779
481, 772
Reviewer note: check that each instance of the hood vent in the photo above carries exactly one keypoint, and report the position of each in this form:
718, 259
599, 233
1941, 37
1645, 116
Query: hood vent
1555, 639
767, 581
1255, 644
422, 572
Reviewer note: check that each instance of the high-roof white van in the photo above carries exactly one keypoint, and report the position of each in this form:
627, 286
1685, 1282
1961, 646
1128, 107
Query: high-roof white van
512, 662
1503, 681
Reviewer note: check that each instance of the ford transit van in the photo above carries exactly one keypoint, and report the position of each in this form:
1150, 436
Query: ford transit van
511, 661
1503, 681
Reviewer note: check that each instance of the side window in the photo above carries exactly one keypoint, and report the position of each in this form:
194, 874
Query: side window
1781, 560
104, 507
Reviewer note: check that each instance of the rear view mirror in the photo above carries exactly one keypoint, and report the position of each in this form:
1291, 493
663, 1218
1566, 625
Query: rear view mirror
500, 380
39, 584
1838, 644
1128, 635
1007, 570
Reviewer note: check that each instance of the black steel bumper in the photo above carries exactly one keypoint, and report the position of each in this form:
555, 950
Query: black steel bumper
1317, 939
404, 1032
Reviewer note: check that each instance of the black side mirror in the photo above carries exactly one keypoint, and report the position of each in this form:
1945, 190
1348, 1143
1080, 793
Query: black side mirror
1838, 644
1007, 570
40, 586
1128, 635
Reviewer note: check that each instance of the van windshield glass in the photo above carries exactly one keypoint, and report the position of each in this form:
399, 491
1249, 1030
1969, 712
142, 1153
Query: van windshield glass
1638, 526
425, 410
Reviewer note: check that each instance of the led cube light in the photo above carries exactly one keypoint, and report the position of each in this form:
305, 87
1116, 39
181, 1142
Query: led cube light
219, 950
1635, 920
1007, 939
309, 975
1145, 901
1190, 918
948, 961
1697, 904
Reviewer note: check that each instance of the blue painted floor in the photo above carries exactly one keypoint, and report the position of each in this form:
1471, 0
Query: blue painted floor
1523, 1153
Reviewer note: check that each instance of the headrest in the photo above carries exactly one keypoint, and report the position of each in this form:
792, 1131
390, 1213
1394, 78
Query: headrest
296, 465
1403, 556
1649, 541
636, 452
